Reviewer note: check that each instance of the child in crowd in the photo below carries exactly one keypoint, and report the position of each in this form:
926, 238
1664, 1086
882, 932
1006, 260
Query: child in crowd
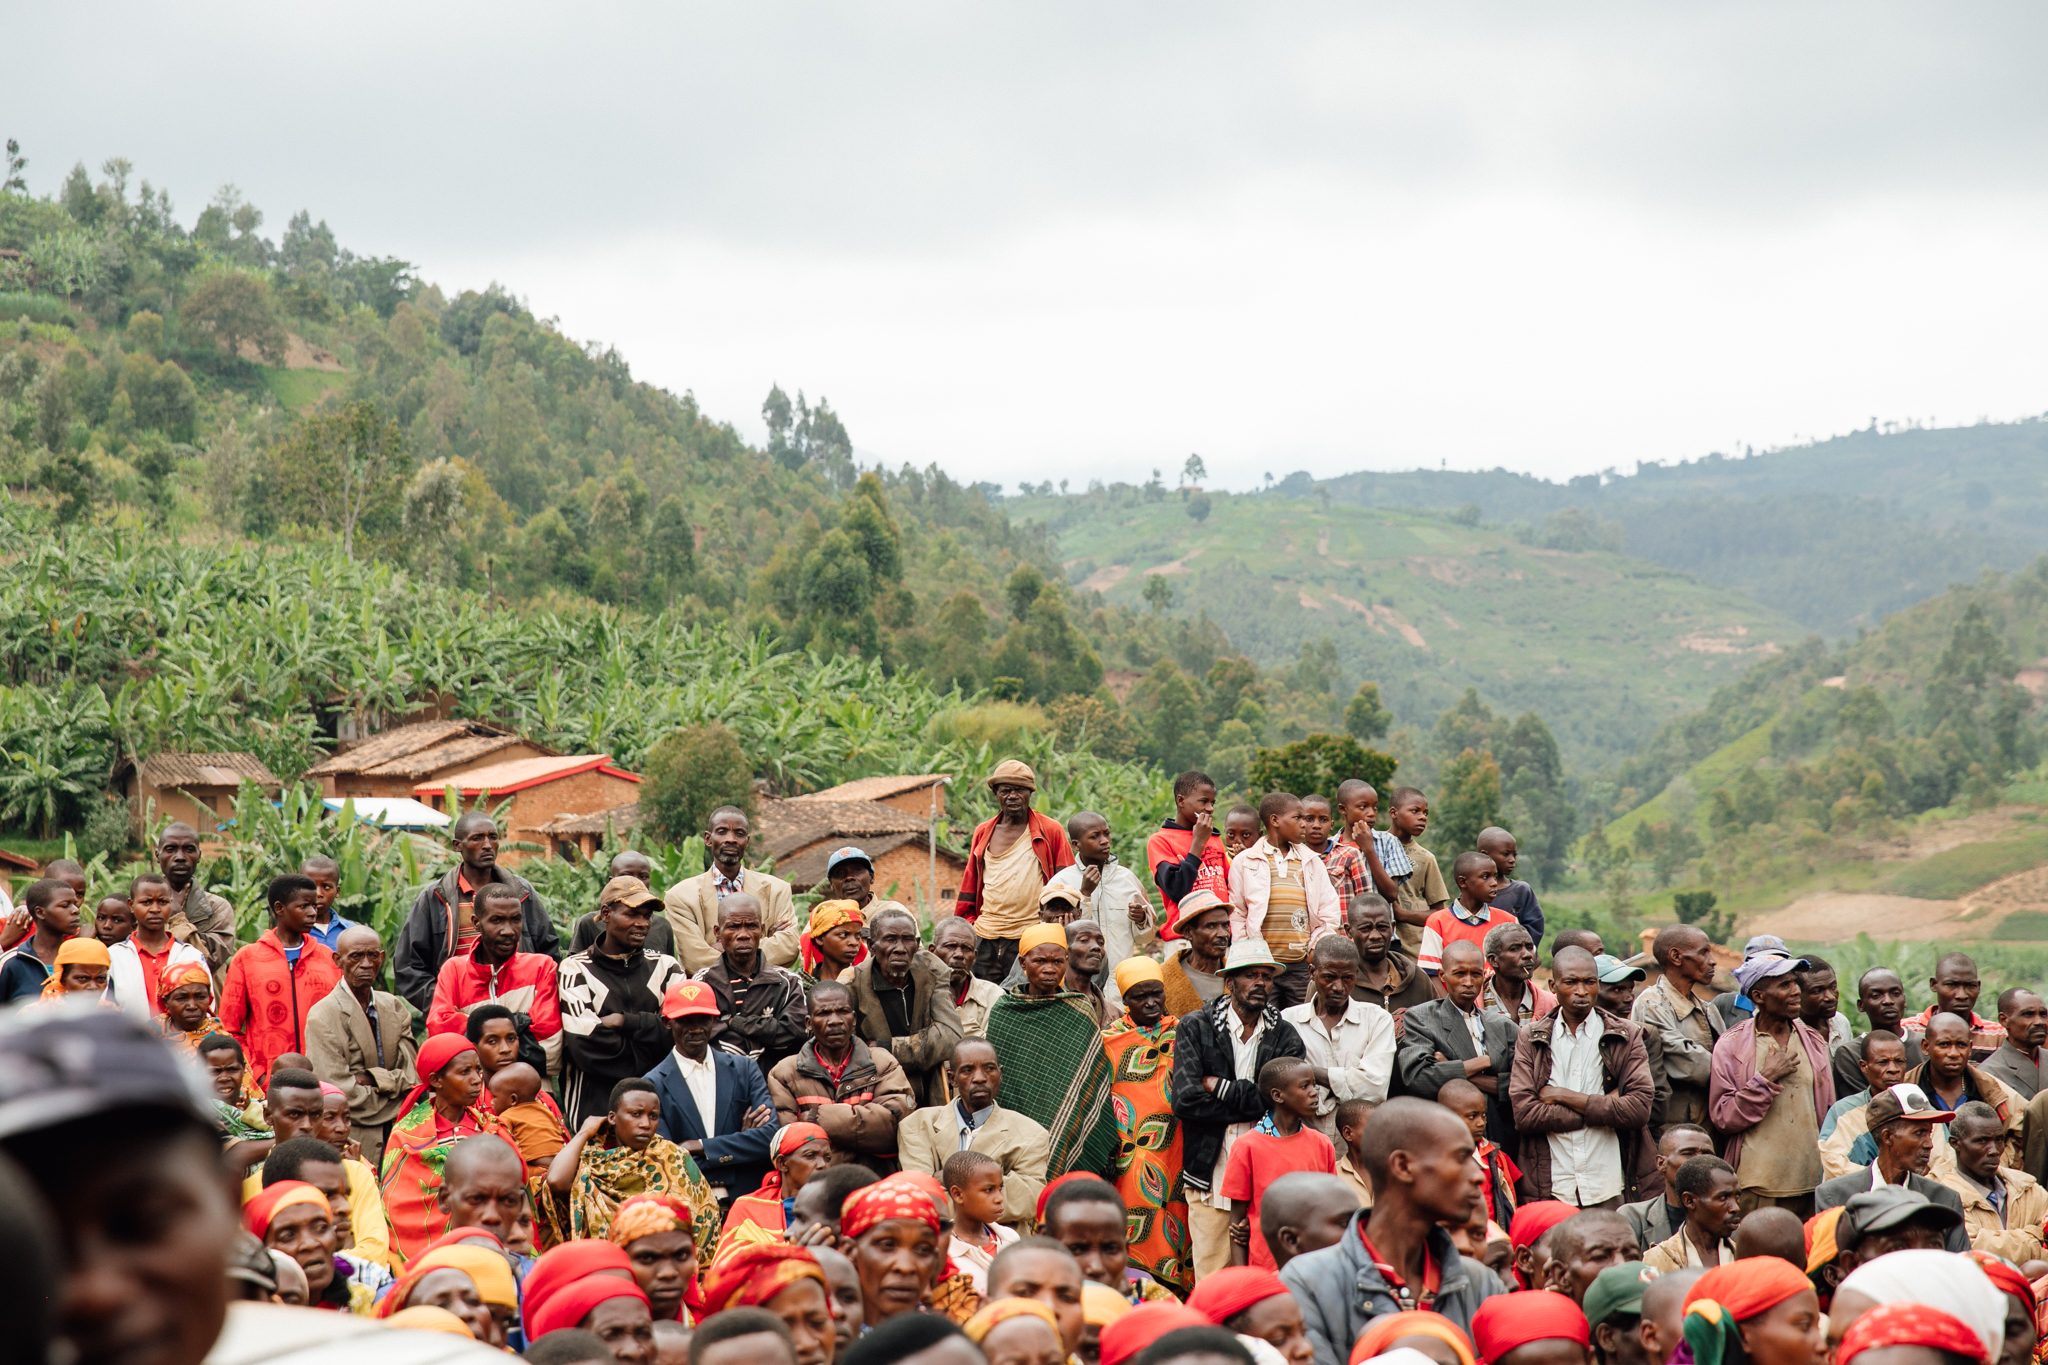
1468, 1102
1351, 1117
112, 920
1341, 860
1240, 828
1358, 813
1184, 853
1517, 898
534, 1128
1285, 1140
1469, 917
1424, 889
974, 1186
52, 907
1280, 892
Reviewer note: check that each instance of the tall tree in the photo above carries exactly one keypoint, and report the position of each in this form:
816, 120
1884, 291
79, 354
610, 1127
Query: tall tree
340, 468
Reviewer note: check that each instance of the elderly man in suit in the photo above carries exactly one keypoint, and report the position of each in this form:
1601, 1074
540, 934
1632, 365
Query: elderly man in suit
976, 1122
1455, 1038
714, 1104
692, 904
1902, 1121
360, 1038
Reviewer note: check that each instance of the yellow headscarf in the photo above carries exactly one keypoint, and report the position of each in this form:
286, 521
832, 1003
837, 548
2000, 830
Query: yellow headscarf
1101, 1305
488, 1270
1133, 970
825, 917
76, 952
1039, 935
427, 1318
1002, 1310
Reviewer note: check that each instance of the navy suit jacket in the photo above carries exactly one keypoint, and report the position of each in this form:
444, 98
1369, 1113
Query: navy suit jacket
735, 1158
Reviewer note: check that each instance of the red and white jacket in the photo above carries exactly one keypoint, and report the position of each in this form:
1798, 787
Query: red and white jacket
525, 985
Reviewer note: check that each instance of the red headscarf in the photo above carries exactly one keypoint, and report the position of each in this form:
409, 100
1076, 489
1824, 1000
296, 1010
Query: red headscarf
257, 1213
570, 1304
1506, 1321
1142, 1326
457, 1236
1388, 1328
435, 1054
1223, 1294
2005, 1275
1046, 1193
1530, 1222
566, 1264
1909, 1324
788, 1140
756, 1273
890, 1197
1749, 1287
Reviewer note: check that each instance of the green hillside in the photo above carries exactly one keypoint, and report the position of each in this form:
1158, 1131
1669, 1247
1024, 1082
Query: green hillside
1606, 648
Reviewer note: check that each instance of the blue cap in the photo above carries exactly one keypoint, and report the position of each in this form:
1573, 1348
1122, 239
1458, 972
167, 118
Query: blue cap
849, 854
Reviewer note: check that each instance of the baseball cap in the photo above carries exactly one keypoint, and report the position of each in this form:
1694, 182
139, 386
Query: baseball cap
74, 1061
1763, 966
1763, 943
1194, 905
849, 854
1888, 1207
1059, 892
1612, 969
1617, 1292
1903, 1101
687, 998
627, 891
1247, 952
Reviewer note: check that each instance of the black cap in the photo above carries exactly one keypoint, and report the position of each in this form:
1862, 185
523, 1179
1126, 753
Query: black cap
1888, 1207
71, 1061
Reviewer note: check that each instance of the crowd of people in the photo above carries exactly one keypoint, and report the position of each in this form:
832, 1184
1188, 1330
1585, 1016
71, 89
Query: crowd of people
1286, 1095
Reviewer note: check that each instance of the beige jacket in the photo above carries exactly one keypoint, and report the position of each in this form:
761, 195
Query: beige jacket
692, 907
340, 1046
981, 998
2018, 1236
928, 1137
1677, 1252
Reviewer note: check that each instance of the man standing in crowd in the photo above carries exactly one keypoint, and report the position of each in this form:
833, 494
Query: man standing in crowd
953, 943
1194, 975
1187, 852
714, 1105
1881, 999
1455, 1039
692, 904
1956, 986
1819, 992
1009, 860
1216, 1060
360, 1039
1582, 1095
660, 937
1950, 1079
442, 923
850, 876
976, 1121
611, 995
1687, 1027
1387, 976
903, 1002
1901, 1123
142, 961
760, 1005
1111, 894
273, 983
1349, 1043
857, 1094
1511, 960
1771, 1082
1656, 1218
494, 971
2024, 1017
1884, 1066
1706, 1188
2003, 1209
198, 917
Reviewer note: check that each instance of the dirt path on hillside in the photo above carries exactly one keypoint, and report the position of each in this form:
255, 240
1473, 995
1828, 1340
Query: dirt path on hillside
1837, 917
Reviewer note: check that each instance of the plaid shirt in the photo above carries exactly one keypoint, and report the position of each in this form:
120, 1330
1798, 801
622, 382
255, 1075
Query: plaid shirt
1346, 866
726, 888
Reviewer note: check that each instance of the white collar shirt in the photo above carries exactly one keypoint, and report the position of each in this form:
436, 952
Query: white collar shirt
702, 1078
1585, 1165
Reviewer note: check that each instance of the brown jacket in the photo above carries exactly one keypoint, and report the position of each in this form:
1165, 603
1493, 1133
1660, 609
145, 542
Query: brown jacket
924, 1053
1625, 1107
859, 1114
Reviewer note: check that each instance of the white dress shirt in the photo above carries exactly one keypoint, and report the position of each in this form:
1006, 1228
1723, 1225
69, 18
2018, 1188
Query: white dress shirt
1110, 907
1585, 1166
1245, 1058
1358, 1055
702, 1078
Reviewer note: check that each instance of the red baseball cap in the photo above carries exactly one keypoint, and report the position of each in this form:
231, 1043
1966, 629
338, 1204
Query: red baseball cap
689, 997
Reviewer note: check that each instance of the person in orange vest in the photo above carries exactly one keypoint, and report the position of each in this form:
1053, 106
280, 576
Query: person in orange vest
274, 982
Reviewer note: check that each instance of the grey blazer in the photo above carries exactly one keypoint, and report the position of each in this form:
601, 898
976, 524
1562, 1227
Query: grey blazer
1437, 1027
1839, 1191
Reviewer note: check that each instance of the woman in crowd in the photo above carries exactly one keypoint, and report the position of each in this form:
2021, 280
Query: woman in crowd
1139, 1046
472, 1282
659, 1236
787, 1281
801, 1150
616, 1155
439, 1113
832, 942
892, 1230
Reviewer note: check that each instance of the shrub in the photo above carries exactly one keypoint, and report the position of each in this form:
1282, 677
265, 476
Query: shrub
688, 775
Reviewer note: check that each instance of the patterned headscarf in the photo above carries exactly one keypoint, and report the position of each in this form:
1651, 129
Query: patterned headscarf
2006, 1276
1909, 1324
887, 1198
183, 975
75, 952
646, 1215
258, 1212
1389, 1328
825, 917
756, 1272
1002, 1310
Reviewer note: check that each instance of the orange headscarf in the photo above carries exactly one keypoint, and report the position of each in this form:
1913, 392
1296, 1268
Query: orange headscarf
889, 1197
75, 952
183, 974
1002, 1310
755, 1273
646, 1215
1391, 1327
825, 917
257, 1213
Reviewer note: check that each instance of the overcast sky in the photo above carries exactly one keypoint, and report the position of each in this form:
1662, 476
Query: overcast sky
1080, 241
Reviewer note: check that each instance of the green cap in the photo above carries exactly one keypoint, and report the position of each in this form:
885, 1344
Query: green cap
1617, 1290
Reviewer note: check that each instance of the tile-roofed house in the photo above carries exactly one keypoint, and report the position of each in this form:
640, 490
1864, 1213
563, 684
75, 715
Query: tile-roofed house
802, 833
396, 762
543, 789
584, 833
197, 788
913, 793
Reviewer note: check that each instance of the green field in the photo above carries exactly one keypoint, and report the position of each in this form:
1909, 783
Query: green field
1604, 647
1958, 871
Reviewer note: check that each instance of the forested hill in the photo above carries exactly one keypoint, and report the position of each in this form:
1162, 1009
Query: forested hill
1835, 534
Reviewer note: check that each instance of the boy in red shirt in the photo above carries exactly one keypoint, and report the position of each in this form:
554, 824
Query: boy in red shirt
1285, 1140
1467, 917
1187, 852
1504, 1189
